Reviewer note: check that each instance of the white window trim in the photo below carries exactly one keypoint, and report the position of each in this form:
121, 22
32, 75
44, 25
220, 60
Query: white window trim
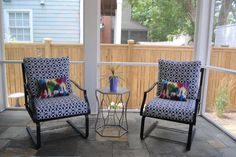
6, 21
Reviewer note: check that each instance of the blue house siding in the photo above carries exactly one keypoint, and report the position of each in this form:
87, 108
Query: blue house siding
57, 19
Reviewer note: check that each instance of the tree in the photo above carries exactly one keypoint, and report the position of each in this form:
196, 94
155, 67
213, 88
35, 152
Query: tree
225, 12
165, 18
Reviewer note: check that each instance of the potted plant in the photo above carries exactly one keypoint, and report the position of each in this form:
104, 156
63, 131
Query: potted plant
113, 79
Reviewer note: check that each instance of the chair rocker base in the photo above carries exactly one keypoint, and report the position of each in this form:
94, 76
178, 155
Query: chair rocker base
36, 139
36, 134
78, 130
191, 132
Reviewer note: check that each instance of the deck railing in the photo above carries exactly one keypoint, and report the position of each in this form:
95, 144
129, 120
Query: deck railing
137, 65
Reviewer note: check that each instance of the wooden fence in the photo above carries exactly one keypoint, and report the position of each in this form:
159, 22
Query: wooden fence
135, 77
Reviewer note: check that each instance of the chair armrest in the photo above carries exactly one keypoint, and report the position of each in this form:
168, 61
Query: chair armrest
145, 96
198, 101
27, 93
77, 85
28, 103
83, 90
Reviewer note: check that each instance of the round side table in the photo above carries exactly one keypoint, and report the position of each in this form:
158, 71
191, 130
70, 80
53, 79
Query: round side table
17, 96
112, 112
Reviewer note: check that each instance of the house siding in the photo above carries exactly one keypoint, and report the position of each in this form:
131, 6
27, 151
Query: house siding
57, 19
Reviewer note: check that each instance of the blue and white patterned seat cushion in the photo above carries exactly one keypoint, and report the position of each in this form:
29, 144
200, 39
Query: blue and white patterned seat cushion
57, 107
46, 68
181, 72
171, 110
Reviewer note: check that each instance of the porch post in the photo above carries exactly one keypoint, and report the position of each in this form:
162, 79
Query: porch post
118, 20
203, 38
81, 26
2, 87
92, 49
203, 32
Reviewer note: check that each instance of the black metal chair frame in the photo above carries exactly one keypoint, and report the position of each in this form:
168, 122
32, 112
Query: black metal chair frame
37, 139
191, 130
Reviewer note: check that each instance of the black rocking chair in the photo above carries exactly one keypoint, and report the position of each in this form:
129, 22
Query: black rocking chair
46, 109
171, 110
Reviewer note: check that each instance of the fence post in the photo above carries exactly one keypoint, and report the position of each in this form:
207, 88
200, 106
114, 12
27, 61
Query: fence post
47, 43
130, 45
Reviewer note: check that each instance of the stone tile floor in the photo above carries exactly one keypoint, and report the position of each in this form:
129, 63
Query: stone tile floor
227, 121
14, 140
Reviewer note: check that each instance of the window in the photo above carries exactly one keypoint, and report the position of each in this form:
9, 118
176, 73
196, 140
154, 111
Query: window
18, 25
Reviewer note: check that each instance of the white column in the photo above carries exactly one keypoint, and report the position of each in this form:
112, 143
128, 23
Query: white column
118, 20
2, 75
81, 15
203, 38
204, 29
92, 13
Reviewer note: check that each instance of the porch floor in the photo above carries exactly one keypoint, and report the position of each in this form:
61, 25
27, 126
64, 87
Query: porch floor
14, 140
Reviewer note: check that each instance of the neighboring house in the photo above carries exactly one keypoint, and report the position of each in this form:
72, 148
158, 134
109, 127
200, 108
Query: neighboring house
34, 20
130, 28
225, 35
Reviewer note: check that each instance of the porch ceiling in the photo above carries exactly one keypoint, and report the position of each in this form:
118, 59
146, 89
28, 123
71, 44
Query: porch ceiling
108, 7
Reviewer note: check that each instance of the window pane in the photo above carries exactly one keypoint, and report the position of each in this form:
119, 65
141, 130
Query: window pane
20, 37
26, 31
223, 53
26, 38
138, 35
13, 31
12, 23
26, 34
124, 37
18, 22
25, 16
221, 101
19, 31
12, 36
19, 16
11, 15
26, 23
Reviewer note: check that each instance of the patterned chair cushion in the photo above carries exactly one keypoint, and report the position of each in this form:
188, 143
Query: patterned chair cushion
181, 72
46, 68
171, 110
56, 107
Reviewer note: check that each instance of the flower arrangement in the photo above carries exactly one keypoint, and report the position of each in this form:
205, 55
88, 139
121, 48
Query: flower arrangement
114, 105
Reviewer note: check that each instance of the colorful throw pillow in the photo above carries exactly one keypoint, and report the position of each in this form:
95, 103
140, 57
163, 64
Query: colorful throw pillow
174, 90
52, 87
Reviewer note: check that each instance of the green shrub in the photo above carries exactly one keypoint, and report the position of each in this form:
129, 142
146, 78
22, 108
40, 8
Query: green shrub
222, 98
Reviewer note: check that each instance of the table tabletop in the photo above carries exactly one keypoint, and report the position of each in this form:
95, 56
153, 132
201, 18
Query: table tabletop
106, 90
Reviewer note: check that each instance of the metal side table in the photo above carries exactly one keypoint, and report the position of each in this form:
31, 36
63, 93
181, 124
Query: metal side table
112, 112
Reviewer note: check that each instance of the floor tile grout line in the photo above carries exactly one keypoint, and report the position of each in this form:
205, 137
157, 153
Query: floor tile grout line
147, 147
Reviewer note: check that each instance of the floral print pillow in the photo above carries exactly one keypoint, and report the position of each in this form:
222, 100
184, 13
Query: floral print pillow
174, 90
52, 87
